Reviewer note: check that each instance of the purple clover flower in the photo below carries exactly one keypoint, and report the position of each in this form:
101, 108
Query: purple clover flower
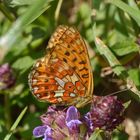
41, 131
72, 121
7, 79
106, 113
59, 124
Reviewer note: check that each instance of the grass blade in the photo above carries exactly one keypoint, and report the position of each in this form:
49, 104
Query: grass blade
134, 13
32, 13
7, 137
117, 68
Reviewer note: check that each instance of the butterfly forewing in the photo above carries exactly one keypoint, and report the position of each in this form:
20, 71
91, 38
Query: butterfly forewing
64, 75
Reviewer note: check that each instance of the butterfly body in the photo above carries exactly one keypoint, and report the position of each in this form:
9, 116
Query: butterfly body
63, 76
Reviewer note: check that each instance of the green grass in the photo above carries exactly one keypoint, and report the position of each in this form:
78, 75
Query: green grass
27, 25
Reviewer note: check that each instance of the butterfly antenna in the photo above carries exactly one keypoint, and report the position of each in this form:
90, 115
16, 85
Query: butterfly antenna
118, 92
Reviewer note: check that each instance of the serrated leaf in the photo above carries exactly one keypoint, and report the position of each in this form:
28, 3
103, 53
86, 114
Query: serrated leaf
125, 47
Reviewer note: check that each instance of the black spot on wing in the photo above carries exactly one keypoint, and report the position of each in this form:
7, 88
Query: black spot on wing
67, 53
74, 59
65, 60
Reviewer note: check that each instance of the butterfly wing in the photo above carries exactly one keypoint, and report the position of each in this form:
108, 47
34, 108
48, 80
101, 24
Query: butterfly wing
64, 75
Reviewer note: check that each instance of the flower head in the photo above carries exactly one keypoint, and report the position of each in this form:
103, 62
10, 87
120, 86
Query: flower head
72, 120
54, 116
59, 124
7, 78
106, 113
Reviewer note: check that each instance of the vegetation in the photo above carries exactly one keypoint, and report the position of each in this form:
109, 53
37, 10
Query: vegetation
111, 28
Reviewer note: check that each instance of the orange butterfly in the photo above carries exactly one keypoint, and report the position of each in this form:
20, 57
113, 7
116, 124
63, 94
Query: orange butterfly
64, 75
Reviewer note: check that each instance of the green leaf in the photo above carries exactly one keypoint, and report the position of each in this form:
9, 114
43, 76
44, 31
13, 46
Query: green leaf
3, 130
134, 13
135, 74
37, 33
15, 52
96, 3
32, 13
14, 3
119, 134
7, 137
126, 105
125, 47
84, 10
95, 134
22, 64
115, 64
85, 13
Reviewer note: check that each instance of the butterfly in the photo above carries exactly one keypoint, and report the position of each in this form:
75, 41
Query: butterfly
64, 75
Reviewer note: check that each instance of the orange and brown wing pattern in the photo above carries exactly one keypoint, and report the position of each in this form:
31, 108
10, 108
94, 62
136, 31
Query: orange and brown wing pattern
64, 75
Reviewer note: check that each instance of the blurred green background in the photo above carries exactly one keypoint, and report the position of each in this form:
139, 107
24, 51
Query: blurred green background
25, 29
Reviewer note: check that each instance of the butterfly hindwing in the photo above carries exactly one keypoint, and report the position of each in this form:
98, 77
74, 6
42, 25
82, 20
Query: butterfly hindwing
64, 75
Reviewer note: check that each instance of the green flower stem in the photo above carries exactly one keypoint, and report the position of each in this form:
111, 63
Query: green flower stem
7, 111
6, 12
14, 126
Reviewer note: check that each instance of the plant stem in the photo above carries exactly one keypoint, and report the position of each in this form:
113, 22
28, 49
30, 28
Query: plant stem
57, 12
7, 112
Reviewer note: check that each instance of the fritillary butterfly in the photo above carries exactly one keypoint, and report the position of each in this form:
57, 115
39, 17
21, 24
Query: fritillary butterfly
63, 76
